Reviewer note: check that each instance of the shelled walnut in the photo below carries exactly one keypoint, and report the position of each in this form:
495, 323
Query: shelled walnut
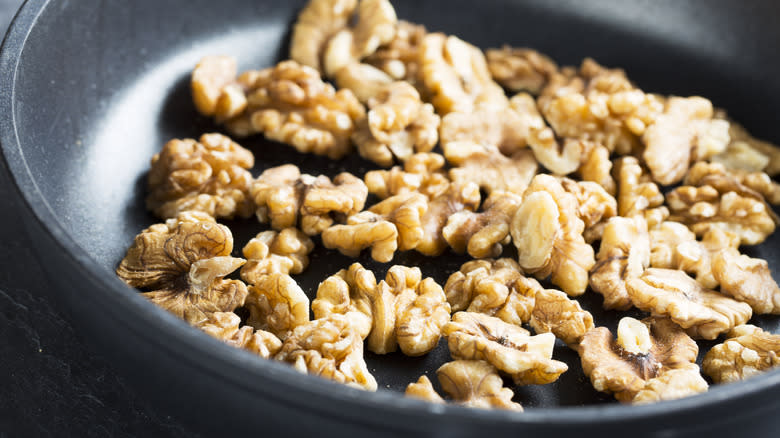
457, 197
283, 252
277, 304
747, 351
493, 287
422, 389
757, 185
508, 347
547, 232
556, 313
643, 352
520, 69
597, 167
748, 153
363, 80
285, 198
209, 78
746, 279
487, 167
225, 327
331, 348
673, 384
637, 195
398, 125
316, 24
422, 172
355, 293
704, 313
209, 175
596, 206
483, 234
400, 58
182, 263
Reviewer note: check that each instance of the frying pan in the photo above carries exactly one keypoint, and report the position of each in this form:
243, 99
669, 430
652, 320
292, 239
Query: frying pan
91, 89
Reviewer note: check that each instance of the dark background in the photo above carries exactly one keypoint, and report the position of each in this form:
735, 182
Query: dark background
51, 381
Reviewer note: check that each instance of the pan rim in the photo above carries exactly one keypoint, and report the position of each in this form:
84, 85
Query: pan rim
322, 397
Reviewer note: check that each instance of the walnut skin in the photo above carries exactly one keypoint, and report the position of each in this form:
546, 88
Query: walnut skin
316, 24
487, 167
704, 313
520, 69
746, 279
283, 252
277, 304
331, 348
483, 234
748, 351
225, 327
476, 384
285, 197
643, 351
457, 197
637, 195
209, 175
422, 172
493, 287
555, 313
508, 347
182, 263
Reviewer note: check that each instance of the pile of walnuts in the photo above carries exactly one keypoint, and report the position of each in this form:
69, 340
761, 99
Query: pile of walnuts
575, 182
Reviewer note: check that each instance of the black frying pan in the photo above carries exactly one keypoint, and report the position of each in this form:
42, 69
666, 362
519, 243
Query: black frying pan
91, 89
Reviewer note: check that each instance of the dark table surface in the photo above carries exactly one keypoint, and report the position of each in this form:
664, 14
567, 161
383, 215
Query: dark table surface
52, 383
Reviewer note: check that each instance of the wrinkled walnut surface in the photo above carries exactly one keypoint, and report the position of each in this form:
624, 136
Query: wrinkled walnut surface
422, 172
476, 384
520, 69
747, 352
483, 234
277, 304
283, 252
746, 279
225, 327
556, 313
487, 167
455, 198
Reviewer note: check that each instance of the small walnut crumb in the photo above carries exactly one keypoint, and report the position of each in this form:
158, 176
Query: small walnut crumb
748, 351
182, 263
423, 389
210, 75
476, 384
748, 153
317, 23
547, 232
422, 172
703, 313
556, 313
596, 206
398, 125
457, 197
285, 197
673, 384
455, 76
637, 195
400, 58
746, 279
284, 252
520, 69
331, 348
225, 327
624, 254
277, 304
483, 234
486, 166
643, 351
508, 347
597, 167
209, 175
493, 287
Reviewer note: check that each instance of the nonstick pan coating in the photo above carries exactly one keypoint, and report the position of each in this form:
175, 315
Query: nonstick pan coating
91, 90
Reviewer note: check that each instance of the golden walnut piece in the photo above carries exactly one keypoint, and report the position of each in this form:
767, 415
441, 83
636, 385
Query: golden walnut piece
747, 279
652, 359
422, 172
316, 24
472, 383
456, 197
225, 327
209, 175
487, 167
398, 125
284, 252
400, 58
637, 194
286, 198
508, 347
483, 234
704, 313
277, 304
547, 232
182, 263
331, 348
748, 153
520, 69
748, 351
556, 313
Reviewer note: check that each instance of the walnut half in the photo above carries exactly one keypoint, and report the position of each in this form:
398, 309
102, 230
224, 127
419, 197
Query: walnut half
747, 351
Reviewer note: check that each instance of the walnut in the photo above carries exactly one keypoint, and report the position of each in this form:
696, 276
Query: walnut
277, 304
374, 26
483, 234
624, 254
331, 348
316, 24
748, 351
520, 69
761, 183
284, 252
225, 327
643, 351
746, 279
486, 166
547, 232
455, 75
508, 347
398, 125
673, 384
596, 206
354, 292
182, 263
493, 287
423, 389
290, 103
364, 80
209, 175
285, 197
422, 172
476, 384
748, 153
684, 132
209, 77
597, 167
457, 197
703, 313
400, 58
637, 195
555, 313
756, 185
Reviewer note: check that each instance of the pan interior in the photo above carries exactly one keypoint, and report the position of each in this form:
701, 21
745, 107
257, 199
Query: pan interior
101, 88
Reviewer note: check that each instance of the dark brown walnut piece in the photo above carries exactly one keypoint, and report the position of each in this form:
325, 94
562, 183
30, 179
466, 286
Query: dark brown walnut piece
209, 175
226, 326
286, 198
643, 352
483, 234
704, 313
508, 347
456, 197
422, 172
277, 304
181, 263
284, 252
487, 167
747, 351
520, 69
554, 312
